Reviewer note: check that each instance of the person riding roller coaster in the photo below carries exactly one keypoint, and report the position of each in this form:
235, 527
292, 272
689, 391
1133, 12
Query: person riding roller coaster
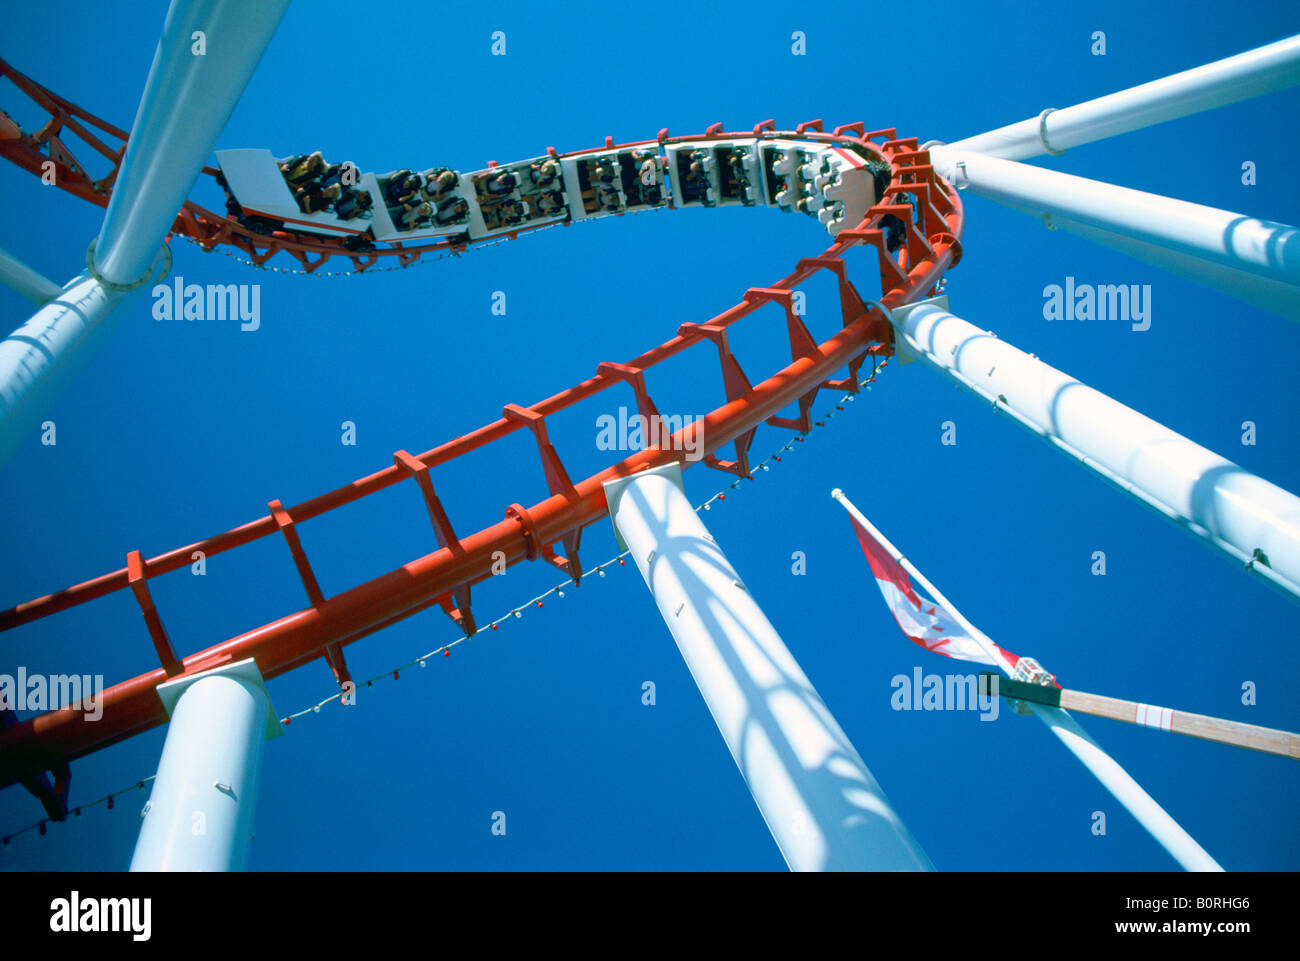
344, 174
313, 198
697, 178
736, 164
648, 176
303, 169
513, 212
608, 196
405, 188
506, 213
453, 210
354, 204
417, 215
544, 172
736, 161
502, 184
317, 186
550, 203
438, 183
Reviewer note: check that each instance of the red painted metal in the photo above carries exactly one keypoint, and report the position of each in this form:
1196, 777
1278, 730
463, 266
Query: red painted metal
135, 575
445, 576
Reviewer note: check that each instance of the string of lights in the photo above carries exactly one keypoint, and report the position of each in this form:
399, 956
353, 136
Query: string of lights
422, 261
514, 613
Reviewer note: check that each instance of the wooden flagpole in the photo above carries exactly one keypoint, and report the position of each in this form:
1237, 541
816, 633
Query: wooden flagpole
1237, 733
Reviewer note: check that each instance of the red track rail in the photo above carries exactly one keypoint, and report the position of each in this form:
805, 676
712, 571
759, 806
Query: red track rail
445, 577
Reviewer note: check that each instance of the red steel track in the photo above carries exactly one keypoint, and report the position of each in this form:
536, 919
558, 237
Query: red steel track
445, 577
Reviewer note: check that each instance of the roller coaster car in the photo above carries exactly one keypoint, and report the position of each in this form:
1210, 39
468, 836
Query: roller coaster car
597, 180
721, 172
436, 209
740, 178
828, 182
781, 163
642, 172
541, 187
693, 173
258, 196
612, 182
519, 195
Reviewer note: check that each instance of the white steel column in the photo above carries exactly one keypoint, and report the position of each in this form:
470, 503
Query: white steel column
1168, 833
201, 810
820, 802
187, 99
1250, 74
41, 357
1253, 522
29, 283
1254, 260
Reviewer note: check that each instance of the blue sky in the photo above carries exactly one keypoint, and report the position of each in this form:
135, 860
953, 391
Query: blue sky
177, 431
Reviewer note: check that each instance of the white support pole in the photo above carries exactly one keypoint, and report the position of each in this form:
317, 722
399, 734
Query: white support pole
200, 813
823, 807
29, 283
1250, 74
1256, 261
187, 100
40, 358
193, 86
1168, 833
1252, 522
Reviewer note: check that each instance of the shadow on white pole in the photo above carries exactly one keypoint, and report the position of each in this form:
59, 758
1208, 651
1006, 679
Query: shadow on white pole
823, 807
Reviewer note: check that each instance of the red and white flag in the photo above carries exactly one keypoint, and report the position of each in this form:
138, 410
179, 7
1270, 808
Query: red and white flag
925, 622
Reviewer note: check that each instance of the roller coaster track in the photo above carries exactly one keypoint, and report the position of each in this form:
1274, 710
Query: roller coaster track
445, 577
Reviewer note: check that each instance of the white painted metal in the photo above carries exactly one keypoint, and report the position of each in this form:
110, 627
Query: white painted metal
1170, 835
1256, 260
187, 100
17, 276
1250, 74
1244, 516
820, 802
200, 813
41, 357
